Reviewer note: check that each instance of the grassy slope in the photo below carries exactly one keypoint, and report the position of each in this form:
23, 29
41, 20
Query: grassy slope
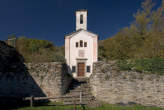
103, 107
146, 65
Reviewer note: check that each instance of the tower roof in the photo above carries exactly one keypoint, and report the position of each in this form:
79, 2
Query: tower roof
82, 10
76, 32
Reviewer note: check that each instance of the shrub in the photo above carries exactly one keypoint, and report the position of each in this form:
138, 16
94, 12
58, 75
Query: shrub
148, 65
124, 64
34, 50
58, 58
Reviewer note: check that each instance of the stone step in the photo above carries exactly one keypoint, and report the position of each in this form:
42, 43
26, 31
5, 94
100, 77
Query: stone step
86, 96
72, 103
85, 99
77, 96
77, 100
82, 79
77, 86
77, 93
85, 86
80, 90
81, 86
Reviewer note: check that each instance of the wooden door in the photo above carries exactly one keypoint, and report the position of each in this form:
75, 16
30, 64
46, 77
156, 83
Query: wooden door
81, 69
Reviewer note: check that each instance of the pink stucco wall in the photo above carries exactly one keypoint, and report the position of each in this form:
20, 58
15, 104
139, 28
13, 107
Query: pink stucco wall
95, 47
75, 54
67, 50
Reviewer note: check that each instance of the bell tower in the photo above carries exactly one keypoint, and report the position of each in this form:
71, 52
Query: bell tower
81, 19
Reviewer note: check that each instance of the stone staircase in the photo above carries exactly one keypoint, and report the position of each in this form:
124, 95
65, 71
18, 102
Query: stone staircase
79, 92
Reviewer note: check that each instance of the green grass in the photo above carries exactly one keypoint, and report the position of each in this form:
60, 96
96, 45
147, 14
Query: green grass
103, 107
49, 108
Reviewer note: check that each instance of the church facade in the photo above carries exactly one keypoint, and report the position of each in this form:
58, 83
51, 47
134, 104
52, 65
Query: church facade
81, 48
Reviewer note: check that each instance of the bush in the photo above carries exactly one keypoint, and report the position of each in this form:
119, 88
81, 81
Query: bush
34, 50
58, 58
153, 65
124, 64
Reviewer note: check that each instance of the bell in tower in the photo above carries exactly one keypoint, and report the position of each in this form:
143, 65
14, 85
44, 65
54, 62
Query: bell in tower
81, 19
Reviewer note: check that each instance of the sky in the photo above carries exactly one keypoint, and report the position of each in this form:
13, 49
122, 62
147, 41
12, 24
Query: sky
52, 19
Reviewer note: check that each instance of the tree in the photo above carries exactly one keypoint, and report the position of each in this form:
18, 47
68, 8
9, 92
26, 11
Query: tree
142, 39
143, 18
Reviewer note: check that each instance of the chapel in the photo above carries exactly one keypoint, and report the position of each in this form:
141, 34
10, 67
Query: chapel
81, 48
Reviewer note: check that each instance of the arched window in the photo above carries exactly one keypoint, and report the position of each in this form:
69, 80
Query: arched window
81, 43
81, 19
85, 44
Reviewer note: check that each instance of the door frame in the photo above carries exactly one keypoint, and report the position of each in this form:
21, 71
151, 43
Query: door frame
81, 61
78, 75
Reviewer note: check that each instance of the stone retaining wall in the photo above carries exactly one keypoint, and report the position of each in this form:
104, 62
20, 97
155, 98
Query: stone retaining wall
113, 86
40, 79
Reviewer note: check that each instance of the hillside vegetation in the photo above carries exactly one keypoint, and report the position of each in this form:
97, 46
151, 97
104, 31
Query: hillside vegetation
146, 65
144, 38
34, 50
